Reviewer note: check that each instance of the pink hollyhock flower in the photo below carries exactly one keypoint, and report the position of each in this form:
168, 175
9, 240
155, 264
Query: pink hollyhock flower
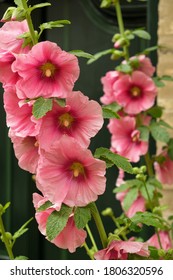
164, 169
69, 173
81, 119
143, 64
7, 76
9, 34
137, 206
46, 71
135, 92
119, 250
164, 238
108, 81
19, 118
69, 238
26, 151
125, 138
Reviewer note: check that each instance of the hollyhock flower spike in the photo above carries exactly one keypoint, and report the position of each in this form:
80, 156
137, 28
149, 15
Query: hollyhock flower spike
125, 138
80, 119
46, 71
119, 250
70, 237
135, 93
69, 173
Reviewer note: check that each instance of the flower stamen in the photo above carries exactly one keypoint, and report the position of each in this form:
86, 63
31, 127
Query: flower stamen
48, 69
66, 120
77, 169
135, 91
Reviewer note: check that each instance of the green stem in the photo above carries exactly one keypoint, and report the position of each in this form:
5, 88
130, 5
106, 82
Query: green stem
88, 251
91, 238
121, 26
5, 240
99, 224
29, 21
149, 165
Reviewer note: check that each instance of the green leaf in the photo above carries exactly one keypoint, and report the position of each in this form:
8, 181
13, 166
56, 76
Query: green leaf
61, 101
170, 148
81, 216
148, 219
159, 132
148, 50
81, 53
124, 68
130, 197
128, 184
167, 78
38, 6
57, 221
165, 124
41, 106
21, 258
119, 161
100, 54
158, 82
142, 34
44, 206
109, 114
154, 253
21, 230
155, 112
54, 24
144, 133
18, 3
105, 3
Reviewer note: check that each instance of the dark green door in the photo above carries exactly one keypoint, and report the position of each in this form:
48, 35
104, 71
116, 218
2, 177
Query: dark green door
91, 30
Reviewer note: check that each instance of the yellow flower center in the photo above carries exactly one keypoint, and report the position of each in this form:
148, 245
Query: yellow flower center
135, 91
77, 169
135, 136
66, 120
48, 69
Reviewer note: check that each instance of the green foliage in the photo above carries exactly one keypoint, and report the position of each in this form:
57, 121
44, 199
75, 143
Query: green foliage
148, 219
21, 230
159, 132
99, 55
130, 197
142, 34
110, 111
41, 106
170, 148
113, 159
155, 111
81, 53
57, 221
44, 206
82, 215
144, 133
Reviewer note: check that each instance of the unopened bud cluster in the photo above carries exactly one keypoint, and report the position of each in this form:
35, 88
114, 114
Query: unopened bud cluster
14, 14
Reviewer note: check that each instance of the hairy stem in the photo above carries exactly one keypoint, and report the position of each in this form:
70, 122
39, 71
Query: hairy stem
29, 22
99, 224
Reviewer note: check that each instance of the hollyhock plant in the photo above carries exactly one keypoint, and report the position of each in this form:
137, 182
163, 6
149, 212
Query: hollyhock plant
135, 92
52, 125
68, 173
19, 116
125, 139
164, 169
70, 237
69, 120
119, 250
46, 71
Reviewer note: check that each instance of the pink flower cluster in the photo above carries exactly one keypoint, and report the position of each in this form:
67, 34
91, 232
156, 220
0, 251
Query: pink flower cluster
54, 147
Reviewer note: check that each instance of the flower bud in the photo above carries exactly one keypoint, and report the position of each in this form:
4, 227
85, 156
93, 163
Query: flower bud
117, 54
107, 212
8, 235
116, 37
8, 14
135, 170
143, 169
18, 14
